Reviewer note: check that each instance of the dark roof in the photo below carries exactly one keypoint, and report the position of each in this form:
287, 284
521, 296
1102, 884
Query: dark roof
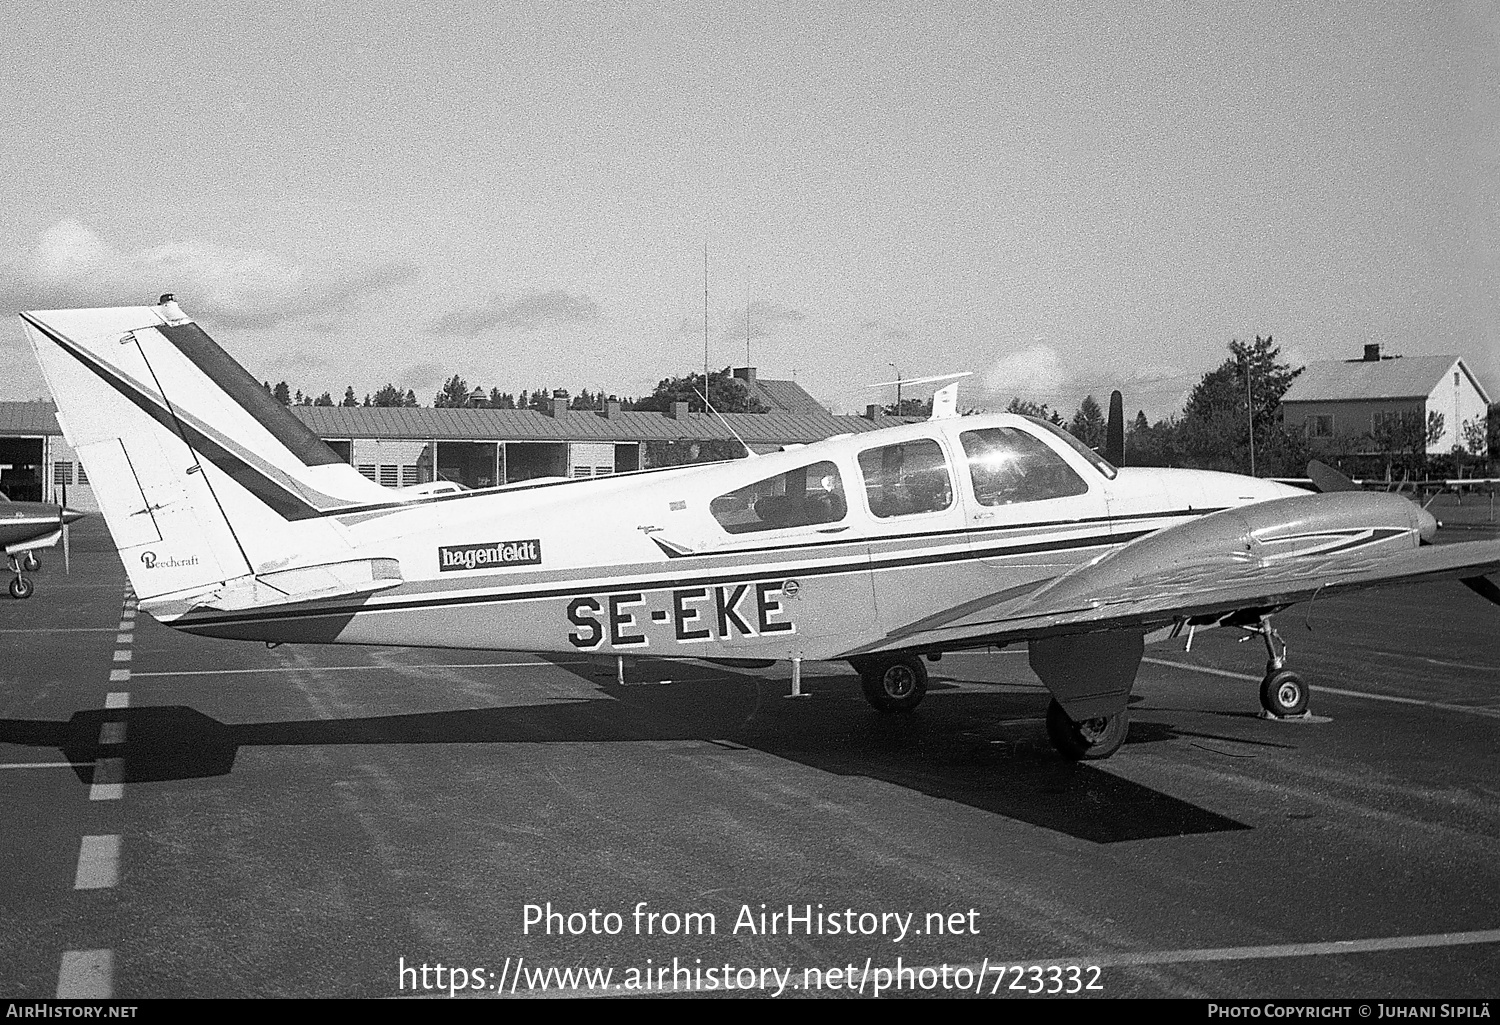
28, 418
577, 425
1407, 377
785, 397
765, 430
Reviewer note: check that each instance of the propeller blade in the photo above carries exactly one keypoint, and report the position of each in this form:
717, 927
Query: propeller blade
1484, 587
1325, 478
1114, 432
67, 549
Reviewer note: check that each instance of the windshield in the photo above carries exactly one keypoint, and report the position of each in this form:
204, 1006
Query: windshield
1101, 464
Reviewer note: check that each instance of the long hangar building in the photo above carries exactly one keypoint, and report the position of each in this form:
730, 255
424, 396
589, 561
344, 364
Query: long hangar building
478, 448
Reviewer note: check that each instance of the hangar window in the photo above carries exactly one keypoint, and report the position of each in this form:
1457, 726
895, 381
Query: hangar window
62, 472
904, 479
1320, 426
798, 498
1009, 465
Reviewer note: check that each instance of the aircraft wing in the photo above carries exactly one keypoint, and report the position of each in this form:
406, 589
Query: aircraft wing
1254, 559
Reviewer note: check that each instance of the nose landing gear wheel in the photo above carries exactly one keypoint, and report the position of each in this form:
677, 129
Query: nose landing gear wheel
20, 587
1283, 694
1089, 740
895, 684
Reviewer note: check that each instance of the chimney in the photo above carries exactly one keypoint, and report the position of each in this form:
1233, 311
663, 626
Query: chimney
1372, 353
611, 411
871, 412
555, 408
679, 411
746, 374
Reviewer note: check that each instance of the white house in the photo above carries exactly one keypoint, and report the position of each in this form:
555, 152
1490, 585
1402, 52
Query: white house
1351, 398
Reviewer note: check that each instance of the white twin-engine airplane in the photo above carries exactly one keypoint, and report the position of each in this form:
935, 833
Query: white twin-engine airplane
882, 548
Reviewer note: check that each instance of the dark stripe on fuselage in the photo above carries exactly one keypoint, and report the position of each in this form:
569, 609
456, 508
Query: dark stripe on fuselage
207, 622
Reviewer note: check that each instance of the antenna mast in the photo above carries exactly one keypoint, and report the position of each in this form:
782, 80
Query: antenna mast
705, 321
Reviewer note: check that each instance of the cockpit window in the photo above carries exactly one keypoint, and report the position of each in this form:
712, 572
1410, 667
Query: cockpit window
1101, 464
904, 479
1009, 465
798, 498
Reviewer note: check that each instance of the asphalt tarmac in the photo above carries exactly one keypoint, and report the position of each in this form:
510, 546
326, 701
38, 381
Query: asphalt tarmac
192, 817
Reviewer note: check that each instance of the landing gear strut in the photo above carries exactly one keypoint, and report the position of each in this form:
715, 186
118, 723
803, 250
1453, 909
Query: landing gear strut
20, 587
892, 683
1282, 692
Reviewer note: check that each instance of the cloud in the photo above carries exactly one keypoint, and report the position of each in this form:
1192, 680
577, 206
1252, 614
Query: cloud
527, 313
1033, 372
885, 332
222, 285
761, 319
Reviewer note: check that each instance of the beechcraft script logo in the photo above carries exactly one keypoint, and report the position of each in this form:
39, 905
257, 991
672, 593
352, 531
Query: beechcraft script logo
485, 556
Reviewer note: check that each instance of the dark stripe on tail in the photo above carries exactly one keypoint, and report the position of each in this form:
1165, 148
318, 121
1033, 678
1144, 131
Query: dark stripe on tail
220, 368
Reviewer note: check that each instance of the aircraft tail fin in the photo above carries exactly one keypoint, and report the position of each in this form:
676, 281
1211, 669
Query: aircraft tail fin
202, 476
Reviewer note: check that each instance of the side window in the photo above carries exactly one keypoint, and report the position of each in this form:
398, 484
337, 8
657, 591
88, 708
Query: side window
904, 479
1009, 465
797, 498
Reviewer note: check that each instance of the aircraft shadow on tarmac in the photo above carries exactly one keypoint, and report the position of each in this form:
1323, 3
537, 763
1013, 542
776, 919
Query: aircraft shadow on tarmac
988, 751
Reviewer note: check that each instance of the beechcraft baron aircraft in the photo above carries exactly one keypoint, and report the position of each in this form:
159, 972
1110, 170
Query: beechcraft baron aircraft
25, 528
233, 520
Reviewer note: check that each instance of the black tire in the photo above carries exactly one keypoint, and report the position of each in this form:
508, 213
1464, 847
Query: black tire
1089, 740
1283, 694
893, 684
31, 563
20, 587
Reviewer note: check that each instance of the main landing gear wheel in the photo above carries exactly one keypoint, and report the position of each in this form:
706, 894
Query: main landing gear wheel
893, 684
1088, 740
31, 563
1283, 694
20, 587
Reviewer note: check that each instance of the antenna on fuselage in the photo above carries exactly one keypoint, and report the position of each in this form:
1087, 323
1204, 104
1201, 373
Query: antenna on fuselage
710, 407
944, 400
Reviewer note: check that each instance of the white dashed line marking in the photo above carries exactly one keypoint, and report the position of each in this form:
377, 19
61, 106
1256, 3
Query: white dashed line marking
98, 863
116, 699
109, 780
86, 975
122, 656
111, 733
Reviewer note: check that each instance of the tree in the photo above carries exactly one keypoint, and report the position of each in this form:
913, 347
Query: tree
916, 408
1403, 438
349, 399
501, 399
725, 391
455, 394
389, 395
1026, 407
1217, 424
325, 399
1088, 424
282, 394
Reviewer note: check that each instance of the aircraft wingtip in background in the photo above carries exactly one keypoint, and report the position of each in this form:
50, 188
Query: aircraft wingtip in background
884, 548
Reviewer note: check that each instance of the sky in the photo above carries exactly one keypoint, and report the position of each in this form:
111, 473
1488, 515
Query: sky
1060, 197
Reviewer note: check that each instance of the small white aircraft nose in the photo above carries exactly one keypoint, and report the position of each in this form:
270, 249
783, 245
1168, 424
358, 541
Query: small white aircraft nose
1427, 525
